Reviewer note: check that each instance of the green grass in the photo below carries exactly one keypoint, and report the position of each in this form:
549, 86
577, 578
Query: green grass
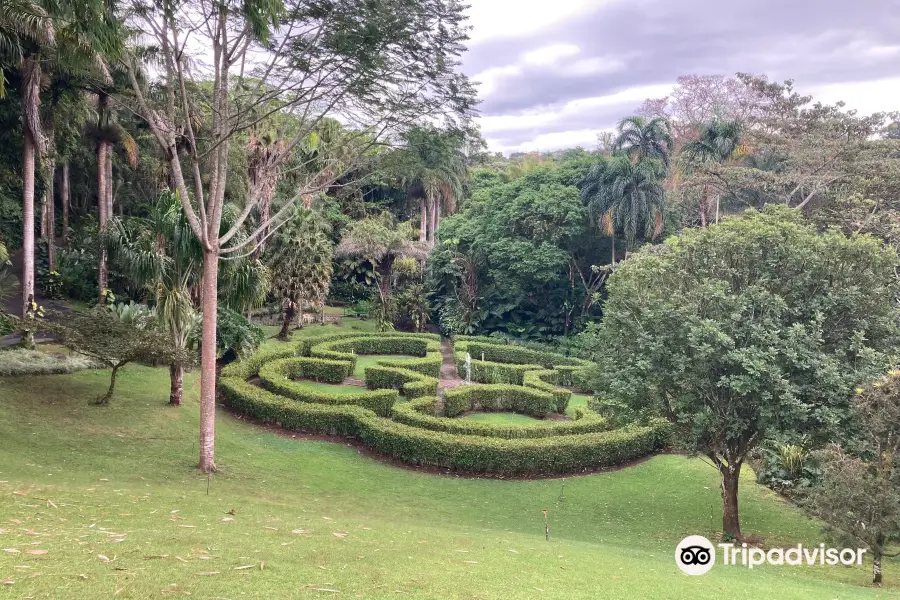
506, 418
118, 483
576, 401
329, 388
370, 360
45, 359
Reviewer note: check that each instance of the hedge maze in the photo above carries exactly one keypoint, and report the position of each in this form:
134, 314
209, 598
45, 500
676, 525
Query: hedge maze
400, 414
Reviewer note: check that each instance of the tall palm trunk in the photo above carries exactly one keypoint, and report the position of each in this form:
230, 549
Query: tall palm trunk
102, 199
423, 220
209, 304
31, 92
48, 224
612, 257
109, 182
64, 197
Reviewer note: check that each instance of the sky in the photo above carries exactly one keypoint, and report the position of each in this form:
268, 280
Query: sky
553, 74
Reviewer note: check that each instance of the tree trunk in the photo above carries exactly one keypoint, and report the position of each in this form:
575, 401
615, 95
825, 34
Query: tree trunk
104, 399
289, 311
876, 567
109, 182
437, 219
176, 377
612, 260
717, 209
704, 201
102, 198
31, 96
423, 220
49, 223
209, 303
64, 192
731, 525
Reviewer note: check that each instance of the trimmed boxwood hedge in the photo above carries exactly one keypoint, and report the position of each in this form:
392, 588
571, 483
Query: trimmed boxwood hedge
510, 354
411, 383
548, 380
249, 367
473, 453
493, 372
276, 378
498, 397
420, 413
305, 345
347, 349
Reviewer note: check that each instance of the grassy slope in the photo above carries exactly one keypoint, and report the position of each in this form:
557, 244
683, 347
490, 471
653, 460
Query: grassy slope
122, 472
506, 418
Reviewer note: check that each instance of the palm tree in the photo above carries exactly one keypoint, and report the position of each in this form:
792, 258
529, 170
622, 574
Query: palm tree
63, 36
163, 258
717, 144
300, 263
433, 168
626, 197
381, 243
641, 138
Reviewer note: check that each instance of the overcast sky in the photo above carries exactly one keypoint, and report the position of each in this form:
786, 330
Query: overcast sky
554, 73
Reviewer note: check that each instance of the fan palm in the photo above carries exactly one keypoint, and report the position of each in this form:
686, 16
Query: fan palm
165, 259
717, 144
627, 197
300, 263
641, 138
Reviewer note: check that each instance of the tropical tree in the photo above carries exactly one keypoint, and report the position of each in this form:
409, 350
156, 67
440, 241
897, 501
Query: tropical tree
163, 258
381, 66
381, 242
757, 327
432, 167
300, 263
626, 197
717, 144
641, 138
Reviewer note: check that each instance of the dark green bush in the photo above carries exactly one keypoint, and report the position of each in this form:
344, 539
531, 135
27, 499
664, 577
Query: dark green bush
303, 367
274, 377
420, 413
472, 453
498, 397
410, 383
250, 366
548, 380
305, 345
493, 372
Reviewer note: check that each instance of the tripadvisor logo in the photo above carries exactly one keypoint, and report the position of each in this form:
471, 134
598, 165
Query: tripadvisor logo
696, 555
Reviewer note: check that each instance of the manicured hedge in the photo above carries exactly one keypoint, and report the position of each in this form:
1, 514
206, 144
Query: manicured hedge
430, 365
510, 354
498, 397
493, 372
249, 367
348, 348
305, 345
275, 378
420, 413
411, 383
473, 453
548, 380
302, 367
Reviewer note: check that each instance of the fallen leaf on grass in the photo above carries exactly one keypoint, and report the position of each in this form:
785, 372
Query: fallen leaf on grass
302, 531
270, 528
153, 556
8, 582
181, 559
208, 573
339, 535
83, 576
226, 519
37, 551
11, 550
244, 567
188, 526
103, 557
471, 562
20, 493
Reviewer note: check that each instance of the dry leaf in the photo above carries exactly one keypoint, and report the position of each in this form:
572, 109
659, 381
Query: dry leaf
153, 556
244, 567
270, 528
103, 557
8, 582
339, 535
208, 573
11, 550
20, 493
226, 519
326, 590
37, 551
83, 576
302, 531
471, 562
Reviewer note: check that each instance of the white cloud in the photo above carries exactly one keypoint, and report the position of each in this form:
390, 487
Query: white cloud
493, 19
489, 79
598, 65
867, 97
549, 55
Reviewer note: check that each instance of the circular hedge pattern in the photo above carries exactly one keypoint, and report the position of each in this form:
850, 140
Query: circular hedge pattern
421, 427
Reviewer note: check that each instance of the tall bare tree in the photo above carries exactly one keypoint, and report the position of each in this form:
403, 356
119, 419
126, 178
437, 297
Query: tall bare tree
377, 66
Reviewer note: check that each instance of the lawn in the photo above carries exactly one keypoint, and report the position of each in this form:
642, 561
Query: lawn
111, 494
506, 418
370, 360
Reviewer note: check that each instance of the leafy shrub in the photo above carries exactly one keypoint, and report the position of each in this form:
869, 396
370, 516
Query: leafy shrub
234, 333
347, 348
498, 397
420, 413
301, 367
411, 383
548, 380
472, 453
274, 379
250, 366
19, 361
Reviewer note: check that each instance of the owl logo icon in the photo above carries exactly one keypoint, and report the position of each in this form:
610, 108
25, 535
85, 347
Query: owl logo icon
695, 555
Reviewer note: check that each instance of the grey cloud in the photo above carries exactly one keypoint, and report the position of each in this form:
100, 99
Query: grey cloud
815, 43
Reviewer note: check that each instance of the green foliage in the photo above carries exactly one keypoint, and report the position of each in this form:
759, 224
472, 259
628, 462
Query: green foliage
410, 383
250, 365
498, 398
473, 453
234, 334
756, 326
275, 378
300, 259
